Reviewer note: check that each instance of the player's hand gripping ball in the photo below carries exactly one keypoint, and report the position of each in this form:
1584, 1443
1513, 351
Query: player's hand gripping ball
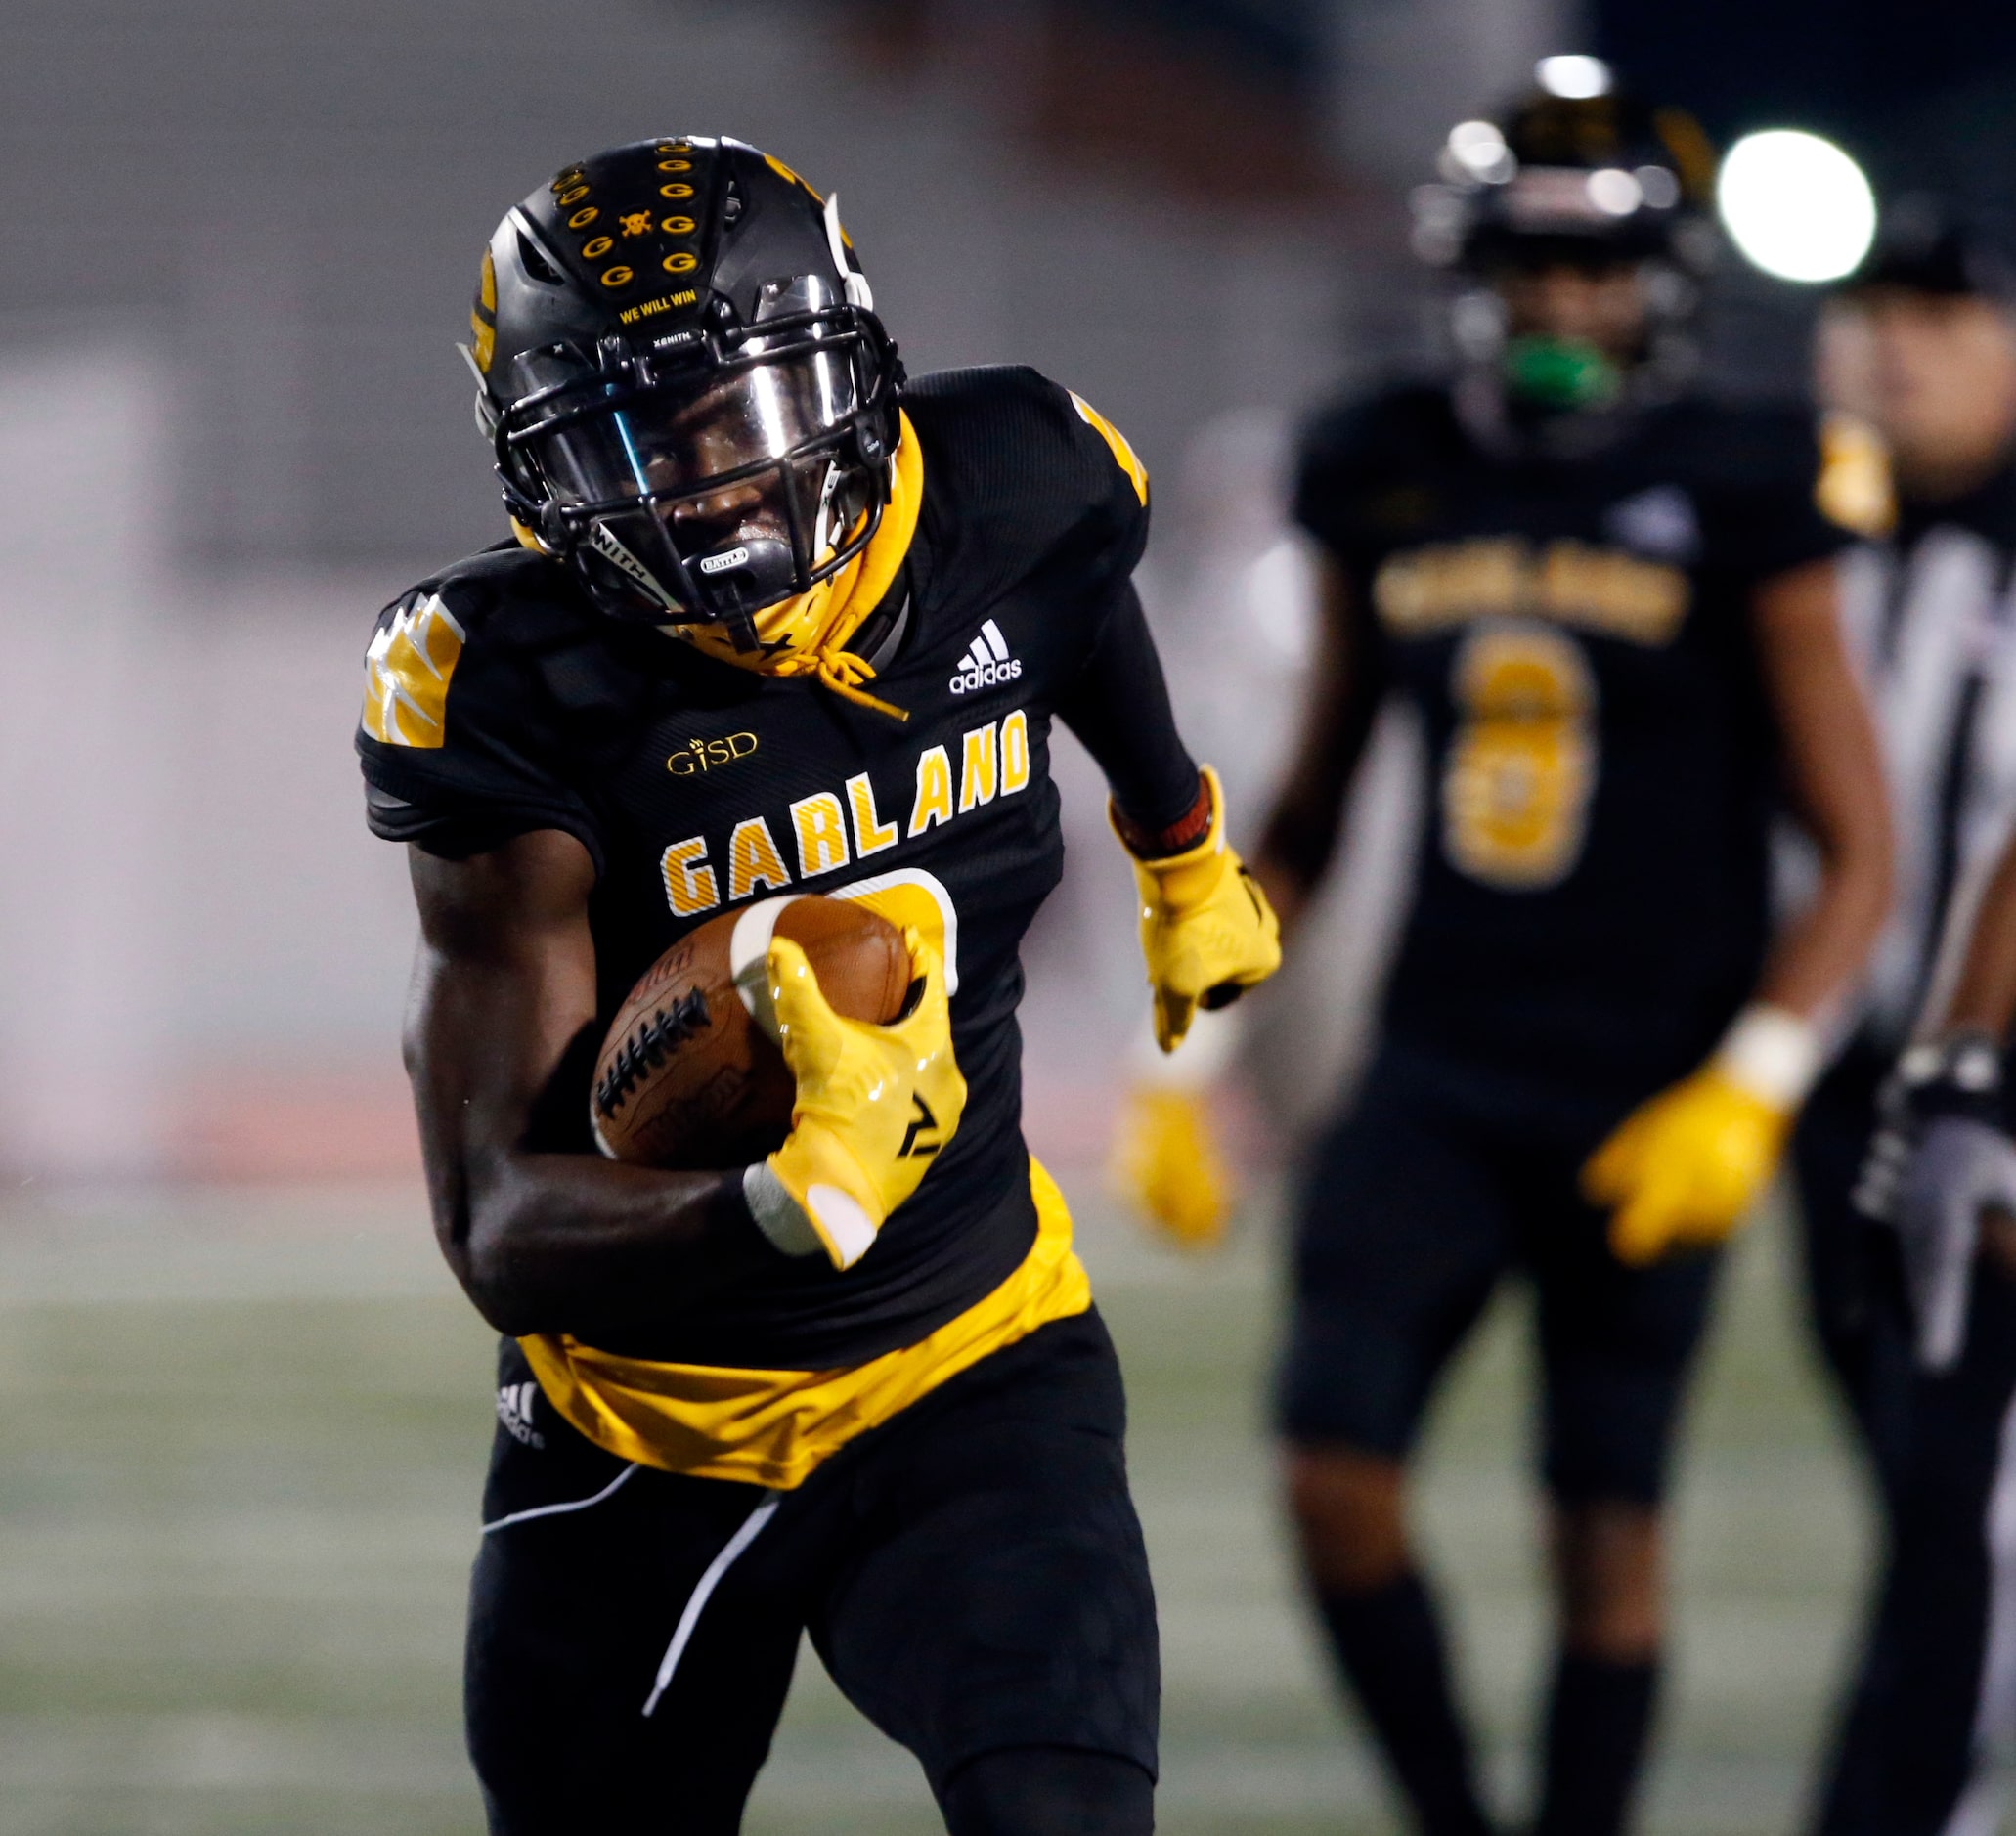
875, 1106
690, 1075
1207, 928
1684, 1169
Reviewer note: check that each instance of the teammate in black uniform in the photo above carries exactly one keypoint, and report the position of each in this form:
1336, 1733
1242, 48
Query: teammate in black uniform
1611, 602
1922, 342
857, 1388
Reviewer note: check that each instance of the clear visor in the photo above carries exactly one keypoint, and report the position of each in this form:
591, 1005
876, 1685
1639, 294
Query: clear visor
668, 441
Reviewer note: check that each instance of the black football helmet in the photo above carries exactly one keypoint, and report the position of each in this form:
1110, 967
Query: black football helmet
1588, 177
692, 400
1572, 174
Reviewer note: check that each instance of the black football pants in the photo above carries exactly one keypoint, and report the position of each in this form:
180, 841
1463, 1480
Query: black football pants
1935, 1693
971, 1573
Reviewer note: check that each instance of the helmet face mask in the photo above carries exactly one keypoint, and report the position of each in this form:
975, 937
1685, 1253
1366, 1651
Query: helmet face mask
1583, 187
709, 462
702, 489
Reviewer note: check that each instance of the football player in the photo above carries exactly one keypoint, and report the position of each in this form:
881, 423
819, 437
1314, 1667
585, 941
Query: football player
1920, 1320
1612, 600
772, 621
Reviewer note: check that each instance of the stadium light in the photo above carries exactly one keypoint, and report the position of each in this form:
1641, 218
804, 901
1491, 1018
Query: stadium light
1796, 206
1573, 77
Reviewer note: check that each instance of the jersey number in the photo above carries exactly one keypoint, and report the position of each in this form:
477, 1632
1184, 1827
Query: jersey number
1515, 788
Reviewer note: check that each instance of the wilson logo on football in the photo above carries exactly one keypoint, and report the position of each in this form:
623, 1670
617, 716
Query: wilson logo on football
987, 662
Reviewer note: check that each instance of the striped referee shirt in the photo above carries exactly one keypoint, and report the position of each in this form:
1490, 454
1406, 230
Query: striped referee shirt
1929, 615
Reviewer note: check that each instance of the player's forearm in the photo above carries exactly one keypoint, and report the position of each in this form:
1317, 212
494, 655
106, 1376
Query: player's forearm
1984, 994
1821, 954
1834, 781
1300, 833
1118, 707
543, 1238
567, 1243
1300, 838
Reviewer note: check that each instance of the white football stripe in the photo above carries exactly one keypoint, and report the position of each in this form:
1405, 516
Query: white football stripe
749, 948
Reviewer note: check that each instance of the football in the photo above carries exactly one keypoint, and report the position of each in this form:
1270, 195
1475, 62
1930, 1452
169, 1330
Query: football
690, 1075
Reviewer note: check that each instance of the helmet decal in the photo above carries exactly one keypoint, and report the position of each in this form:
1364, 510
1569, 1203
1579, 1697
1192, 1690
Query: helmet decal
483, 319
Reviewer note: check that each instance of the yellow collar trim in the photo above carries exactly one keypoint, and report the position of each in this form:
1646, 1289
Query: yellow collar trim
862, 585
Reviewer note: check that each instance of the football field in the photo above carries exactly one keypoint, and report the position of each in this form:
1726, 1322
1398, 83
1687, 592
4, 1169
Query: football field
241, 1437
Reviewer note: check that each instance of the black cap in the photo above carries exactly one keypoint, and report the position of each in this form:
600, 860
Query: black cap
1925, 245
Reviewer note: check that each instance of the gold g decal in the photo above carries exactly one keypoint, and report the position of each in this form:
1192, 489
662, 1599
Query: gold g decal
601, 245
681, 264
617, 276
675, 191
583, 217
674, 165
572, 196
1524, 761
709, 755
675, 226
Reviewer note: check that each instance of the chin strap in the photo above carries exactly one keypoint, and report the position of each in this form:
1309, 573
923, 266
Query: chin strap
837, 668
818, 621
844, 673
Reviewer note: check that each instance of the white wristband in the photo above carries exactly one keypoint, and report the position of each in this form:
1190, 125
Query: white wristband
1773, 1054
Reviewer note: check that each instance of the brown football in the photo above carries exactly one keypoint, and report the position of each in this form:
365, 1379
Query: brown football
690, 1075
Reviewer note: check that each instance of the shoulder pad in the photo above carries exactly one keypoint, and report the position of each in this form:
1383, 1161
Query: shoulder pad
1020, 467
1405, 422
411, 663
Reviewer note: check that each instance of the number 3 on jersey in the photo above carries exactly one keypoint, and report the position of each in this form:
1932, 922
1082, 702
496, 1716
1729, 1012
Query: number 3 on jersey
1523, 761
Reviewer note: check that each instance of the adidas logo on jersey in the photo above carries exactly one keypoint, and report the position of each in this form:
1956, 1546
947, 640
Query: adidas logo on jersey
514, 1411
987, 662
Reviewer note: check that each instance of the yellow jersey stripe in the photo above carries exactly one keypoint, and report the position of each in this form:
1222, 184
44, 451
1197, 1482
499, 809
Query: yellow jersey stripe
774, 1428
1137, 473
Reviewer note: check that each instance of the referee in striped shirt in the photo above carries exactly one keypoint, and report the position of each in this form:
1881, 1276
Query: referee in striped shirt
1921, 344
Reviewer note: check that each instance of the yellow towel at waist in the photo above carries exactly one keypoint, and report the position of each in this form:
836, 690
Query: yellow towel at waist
773, 1427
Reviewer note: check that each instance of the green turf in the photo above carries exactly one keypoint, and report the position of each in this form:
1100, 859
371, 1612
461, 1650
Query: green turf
241, 1441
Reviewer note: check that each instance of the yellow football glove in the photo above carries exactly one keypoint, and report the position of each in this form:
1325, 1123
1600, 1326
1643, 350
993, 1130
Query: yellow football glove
1167, 1164
1207, 928
1685, 1167
875, 1105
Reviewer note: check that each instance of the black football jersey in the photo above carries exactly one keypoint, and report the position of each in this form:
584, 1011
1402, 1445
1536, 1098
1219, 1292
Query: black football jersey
499, 701
1592, 901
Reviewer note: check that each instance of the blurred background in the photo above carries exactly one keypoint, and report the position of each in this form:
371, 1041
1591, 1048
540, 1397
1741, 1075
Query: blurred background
242, 1412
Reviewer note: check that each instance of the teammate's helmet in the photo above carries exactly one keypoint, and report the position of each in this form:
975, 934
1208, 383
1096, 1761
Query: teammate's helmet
692, 400
1577, 178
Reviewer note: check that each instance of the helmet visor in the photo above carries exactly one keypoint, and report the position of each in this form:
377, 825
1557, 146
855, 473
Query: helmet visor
670, 442
715, 493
